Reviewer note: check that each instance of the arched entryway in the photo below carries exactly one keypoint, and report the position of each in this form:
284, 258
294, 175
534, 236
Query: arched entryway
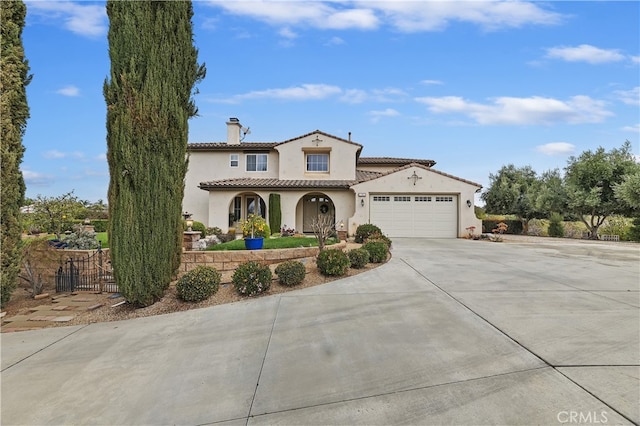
314, 206
244, 205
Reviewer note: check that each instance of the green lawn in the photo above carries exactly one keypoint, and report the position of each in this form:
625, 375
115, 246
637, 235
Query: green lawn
103, 238
274, 243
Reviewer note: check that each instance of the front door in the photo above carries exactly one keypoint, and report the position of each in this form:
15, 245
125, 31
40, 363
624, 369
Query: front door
313, 207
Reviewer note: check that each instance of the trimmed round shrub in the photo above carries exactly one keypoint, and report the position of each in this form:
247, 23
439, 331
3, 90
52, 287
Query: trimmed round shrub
251, 278
358, 258
332, 262
290, 273
378, 251
198, 284
363, 231
196, 226
376, 236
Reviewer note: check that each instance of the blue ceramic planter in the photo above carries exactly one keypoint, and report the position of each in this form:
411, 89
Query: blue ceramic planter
253, 243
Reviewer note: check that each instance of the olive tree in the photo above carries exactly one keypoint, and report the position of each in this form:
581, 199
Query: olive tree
591, 180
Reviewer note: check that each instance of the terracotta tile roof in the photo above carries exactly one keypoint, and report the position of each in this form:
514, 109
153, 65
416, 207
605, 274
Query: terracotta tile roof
425, 168
283, 184
251, 183
223, 146
392, 161
324, 134
253, 146
268, 183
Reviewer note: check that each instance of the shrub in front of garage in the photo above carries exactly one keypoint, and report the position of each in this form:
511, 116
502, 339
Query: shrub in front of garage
251, 278
290, 273
332, 262
378, 251
198, 284
364, 231
377, 236
358, 258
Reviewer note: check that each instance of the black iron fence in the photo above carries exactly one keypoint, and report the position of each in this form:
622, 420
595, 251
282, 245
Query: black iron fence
86, 273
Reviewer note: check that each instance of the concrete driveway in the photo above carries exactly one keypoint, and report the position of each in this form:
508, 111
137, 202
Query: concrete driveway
447, 332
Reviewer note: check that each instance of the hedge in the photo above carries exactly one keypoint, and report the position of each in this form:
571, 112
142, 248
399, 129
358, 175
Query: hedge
514, 226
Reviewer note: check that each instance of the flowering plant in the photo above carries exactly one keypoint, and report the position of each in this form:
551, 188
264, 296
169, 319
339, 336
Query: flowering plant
254, 227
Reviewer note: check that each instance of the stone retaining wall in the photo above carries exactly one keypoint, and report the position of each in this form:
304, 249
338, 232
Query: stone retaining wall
227, 261
47, 260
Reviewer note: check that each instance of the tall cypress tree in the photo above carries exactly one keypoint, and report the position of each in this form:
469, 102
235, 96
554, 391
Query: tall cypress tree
14, 112
154, 70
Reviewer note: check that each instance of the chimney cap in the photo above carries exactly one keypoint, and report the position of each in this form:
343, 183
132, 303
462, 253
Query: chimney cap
234, 120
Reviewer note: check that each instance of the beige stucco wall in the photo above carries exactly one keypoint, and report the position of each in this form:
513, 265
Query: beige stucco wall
342, 157
431, 183
209, 165
290, 206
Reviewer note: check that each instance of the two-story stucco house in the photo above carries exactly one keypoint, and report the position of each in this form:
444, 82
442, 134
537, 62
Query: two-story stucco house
321, 174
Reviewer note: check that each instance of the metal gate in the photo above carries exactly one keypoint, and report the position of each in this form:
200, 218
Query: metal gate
88, 273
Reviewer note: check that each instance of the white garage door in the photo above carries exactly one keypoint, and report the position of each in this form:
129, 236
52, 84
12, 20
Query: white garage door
409, 215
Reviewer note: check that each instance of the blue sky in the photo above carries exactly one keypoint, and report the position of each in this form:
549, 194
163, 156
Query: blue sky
471, 85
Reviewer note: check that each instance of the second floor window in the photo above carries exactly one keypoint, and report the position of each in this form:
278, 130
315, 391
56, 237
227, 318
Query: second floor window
256, 162
233, 160
317, 162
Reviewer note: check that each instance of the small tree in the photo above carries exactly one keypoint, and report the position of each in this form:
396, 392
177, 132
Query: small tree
551, 196
628, 191
514, 190
54, 214
591, 180
323, 227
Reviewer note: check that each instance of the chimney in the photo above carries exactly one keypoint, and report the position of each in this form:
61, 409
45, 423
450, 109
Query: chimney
233, 131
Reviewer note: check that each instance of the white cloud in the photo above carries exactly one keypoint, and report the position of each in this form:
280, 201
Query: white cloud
522, 111
357, 96
431, 82
53, 154
71, 91
56, 155
556, 148
303, 92
89, 20
389, 112
635, 59
354, 96
377, 115
629, 97
315, 14
335, 41
287, 33
35, 178
632, 129
406, 16
306, 92
585, 53
415, 16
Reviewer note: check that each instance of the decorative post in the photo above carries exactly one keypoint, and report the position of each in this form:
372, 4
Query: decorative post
190, 237
342, 233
